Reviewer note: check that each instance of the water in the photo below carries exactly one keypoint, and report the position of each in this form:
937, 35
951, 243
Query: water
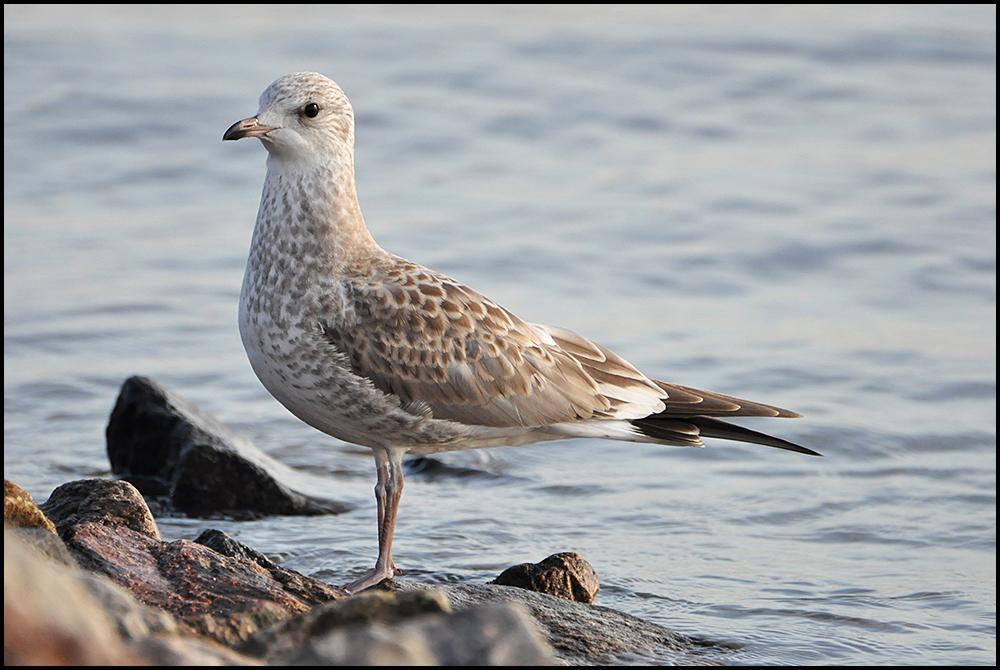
791, 205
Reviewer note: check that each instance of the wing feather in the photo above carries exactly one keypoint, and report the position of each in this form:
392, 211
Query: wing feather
423, 336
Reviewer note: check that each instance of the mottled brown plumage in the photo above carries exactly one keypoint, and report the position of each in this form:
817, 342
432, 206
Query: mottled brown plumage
376, 350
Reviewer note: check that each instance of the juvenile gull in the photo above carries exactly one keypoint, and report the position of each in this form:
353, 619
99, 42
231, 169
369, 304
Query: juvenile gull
373, 349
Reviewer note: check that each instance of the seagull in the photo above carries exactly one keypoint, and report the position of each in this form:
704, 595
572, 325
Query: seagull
379, 351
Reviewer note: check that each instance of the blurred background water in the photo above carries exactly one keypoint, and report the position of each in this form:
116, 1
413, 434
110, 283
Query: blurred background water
795, 205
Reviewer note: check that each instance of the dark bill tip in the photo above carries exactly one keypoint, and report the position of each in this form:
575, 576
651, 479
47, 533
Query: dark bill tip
246, 128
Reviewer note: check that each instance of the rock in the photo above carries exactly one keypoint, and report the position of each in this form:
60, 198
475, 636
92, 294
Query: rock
107, 528
167, 446
131, 619
55, 614
161, 650
20, 511
221, 543
237, 597
583, 634
45, 543
49, 618
224, 598
109, 502
280, 641
565, 575
114, 504
308, 590
493, 634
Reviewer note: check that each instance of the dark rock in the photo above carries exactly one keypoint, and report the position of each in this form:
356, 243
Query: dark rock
20, 511
283, 639
116, 504
221, 543
564, 575
430, 469
163, 443
224, 598
585, 634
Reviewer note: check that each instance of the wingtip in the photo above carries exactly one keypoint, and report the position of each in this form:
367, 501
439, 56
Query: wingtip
712, 427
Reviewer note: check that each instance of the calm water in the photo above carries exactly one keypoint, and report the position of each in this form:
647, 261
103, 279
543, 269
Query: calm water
796, 206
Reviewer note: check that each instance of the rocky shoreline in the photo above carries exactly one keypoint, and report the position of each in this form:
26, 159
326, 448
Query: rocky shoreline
89, 580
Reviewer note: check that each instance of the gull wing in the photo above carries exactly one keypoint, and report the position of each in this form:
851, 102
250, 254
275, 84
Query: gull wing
427, 338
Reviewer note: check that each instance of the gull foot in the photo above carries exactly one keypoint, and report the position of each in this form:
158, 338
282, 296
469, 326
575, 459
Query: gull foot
376, 576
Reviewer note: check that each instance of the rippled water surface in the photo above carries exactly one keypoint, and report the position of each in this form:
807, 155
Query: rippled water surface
795, 206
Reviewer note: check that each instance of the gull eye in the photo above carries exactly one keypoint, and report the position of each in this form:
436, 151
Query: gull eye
311, 110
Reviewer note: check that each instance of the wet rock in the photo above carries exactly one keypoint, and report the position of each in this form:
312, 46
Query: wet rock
167, 446
20, 510
116, 504
564, 575
583, 634
49, 618
224, 598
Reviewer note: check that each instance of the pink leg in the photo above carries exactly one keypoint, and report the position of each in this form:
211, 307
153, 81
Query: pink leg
388, 491
382, 497
383, 477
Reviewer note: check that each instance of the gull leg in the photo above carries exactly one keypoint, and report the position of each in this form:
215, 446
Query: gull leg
382, 496
388, 491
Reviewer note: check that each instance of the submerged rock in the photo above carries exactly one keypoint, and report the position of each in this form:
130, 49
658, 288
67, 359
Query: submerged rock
167, 446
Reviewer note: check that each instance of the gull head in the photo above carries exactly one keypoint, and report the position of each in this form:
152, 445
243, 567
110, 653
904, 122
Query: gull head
302, 116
